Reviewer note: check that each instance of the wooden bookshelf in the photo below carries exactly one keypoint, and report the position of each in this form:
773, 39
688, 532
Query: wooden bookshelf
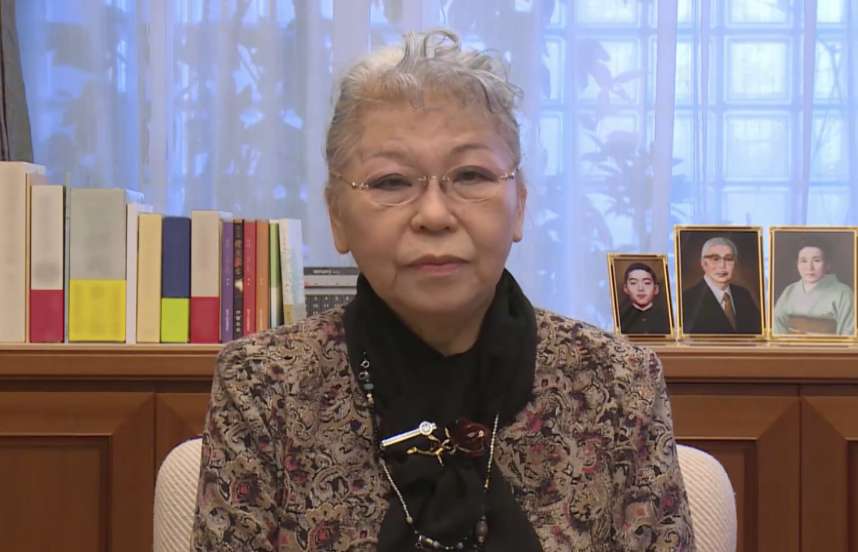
107, 362
683, 362
83, 429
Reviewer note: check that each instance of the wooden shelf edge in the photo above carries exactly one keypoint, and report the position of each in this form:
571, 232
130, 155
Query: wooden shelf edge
683, 362
112, 348
115, 362
759, 362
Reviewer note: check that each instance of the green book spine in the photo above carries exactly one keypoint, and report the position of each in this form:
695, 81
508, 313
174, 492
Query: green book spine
175, 319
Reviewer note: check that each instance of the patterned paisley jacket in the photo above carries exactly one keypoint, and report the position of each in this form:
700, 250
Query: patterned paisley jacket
288, 460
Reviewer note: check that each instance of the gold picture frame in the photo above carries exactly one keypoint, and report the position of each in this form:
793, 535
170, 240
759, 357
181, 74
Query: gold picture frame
656, 321
735, 266
812, 283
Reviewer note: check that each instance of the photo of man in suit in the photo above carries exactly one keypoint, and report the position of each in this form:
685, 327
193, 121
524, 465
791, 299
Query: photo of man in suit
715, 305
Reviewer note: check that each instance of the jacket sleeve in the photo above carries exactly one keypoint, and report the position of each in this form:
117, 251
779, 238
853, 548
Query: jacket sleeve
653, 506
239, 491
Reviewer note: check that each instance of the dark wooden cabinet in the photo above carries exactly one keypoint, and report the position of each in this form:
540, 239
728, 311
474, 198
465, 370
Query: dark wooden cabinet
178, 417
83, 429
829, 478
76, 470
755, 437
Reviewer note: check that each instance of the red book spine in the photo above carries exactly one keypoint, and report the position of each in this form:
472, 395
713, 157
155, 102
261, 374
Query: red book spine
47, 320
205, 312
249, 277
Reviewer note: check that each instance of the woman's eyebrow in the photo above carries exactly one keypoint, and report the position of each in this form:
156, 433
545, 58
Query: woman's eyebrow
399, 155
467, 146
395, 154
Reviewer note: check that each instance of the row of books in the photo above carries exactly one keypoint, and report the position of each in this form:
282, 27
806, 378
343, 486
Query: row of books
98, 265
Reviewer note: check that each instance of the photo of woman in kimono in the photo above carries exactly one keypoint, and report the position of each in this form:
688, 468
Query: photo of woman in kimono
818, 302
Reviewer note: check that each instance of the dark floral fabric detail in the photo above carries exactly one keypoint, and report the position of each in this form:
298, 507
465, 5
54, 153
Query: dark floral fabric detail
288, 463
470, 438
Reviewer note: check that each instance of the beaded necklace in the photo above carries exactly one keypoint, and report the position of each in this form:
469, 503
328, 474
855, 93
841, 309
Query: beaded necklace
424, 542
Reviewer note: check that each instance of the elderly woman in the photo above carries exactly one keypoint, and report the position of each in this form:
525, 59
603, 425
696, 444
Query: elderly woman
439, 410
818, 303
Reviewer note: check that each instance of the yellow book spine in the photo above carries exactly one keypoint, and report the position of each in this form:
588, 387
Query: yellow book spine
175, 319
97, 310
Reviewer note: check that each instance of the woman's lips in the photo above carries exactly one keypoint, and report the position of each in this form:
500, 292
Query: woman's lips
443, 268
437, 266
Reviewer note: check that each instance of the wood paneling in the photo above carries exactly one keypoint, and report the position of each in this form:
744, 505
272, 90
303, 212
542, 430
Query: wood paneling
178, 417
81, 466
53, 493
830, 473
83, 429
756, 439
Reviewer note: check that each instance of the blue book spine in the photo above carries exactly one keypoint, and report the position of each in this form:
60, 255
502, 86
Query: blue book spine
226, 283
176, 257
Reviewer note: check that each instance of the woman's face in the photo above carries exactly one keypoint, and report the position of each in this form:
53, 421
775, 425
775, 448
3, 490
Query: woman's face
811, 264
436, 255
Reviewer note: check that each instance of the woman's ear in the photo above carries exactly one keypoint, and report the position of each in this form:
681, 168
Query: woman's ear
518, 230
338, 226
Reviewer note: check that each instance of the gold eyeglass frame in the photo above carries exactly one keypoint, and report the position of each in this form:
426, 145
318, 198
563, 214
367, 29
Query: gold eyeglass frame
425, 179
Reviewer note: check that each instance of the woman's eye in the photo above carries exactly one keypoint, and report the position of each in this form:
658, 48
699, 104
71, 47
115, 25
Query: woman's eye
391, 182
470, 176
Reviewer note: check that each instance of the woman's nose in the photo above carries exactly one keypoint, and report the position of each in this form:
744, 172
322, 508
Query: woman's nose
433, 208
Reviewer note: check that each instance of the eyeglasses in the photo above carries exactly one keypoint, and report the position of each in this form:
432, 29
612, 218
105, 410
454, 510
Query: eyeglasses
718, 258
469, 184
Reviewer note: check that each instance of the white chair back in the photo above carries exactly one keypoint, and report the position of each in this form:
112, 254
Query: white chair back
176, 498
711, 499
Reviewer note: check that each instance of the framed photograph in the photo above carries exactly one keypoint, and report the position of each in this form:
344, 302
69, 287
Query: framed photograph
640, 296
812, 291
720, 281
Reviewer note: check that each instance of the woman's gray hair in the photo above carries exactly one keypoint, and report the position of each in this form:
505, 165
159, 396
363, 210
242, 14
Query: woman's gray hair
719, 240
432, 62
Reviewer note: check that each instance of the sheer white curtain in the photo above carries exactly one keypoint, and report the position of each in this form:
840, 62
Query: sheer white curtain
638, 114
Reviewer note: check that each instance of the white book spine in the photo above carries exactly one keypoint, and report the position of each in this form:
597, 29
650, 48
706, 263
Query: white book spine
276, 304
14, 243
292, 270
285, 280
131, 248
46, 238
205, 253
98, 234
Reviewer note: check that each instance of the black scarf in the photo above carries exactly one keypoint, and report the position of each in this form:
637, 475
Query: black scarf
414, 382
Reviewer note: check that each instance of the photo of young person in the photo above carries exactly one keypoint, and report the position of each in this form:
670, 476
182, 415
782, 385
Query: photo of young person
720, 278
641, 295
821, 301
